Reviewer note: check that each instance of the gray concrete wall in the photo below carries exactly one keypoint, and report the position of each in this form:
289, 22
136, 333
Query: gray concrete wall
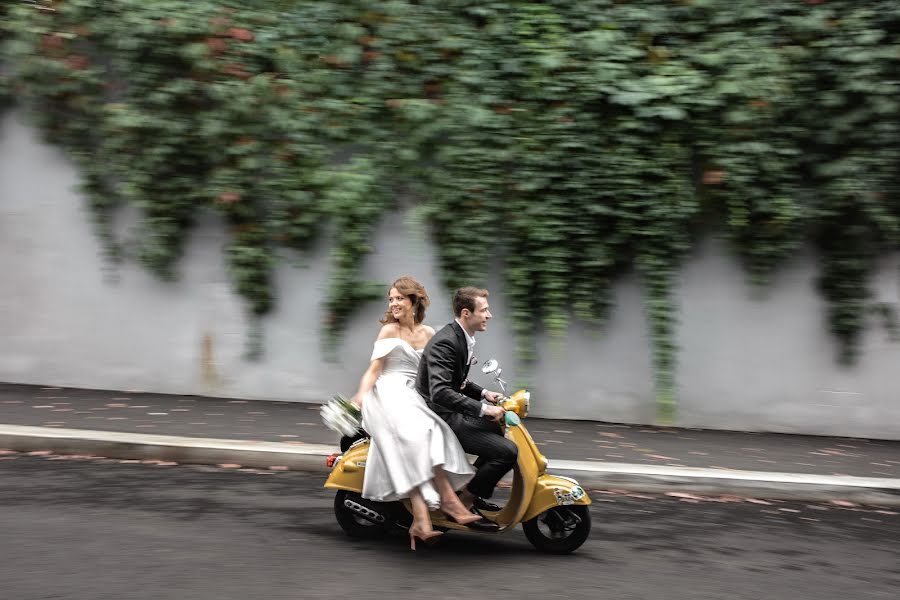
748, 361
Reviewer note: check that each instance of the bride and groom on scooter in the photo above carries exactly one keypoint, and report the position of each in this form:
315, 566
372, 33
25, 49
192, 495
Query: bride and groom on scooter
423, 415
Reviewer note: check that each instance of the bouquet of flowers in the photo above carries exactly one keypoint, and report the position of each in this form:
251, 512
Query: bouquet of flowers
342, 416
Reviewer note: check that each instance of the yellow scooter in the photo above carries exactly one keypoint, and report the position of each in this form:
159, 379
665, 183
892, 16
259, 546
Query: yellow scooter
553, 510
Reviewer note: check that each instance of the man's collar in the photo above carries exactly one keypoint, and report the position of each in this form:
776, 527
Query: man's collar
470, 340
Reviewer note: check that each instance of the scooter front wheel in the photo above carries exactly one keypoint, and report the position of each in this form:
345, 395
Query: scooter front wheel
356, 518
559, 530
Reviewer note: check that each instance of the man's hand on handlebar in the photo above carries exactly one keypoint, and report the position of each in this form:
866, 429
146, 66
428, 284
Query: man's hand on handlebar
494, 413
493, 397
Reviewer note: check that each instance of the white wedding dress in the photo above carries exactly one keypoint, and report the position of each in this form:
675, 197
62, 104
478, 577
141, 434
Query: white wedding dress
408, 440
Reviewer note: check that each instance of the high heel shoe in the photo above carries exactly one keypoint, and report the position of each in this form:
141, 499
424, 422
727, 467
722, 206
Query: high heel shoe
429, 537
462, 520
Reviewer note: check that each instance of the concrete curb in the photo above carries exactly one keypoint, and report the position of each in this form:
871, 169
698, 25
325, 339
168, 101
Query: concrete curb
188, 450
754, 484
591, 475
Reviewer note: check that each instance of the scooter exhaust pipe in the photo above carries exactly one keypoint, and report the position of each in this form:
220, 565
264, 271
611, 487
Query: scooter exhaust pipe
366, 513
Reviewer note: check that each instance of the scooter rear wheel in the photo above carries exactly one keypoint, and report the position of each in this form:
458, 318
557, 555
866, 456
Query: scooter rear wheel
353, 523
559, 530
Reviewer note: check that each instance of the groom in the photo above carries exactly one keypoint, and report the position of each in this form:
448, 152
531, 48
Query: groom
468, 408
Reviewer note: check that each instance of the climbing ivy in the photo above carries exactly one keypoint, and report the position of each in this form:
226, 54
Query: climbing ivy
5, 91
573, 142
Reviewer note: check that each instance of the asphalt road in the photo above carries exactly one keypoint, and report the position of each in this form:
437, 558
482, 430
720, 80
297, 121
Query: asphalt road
96, 530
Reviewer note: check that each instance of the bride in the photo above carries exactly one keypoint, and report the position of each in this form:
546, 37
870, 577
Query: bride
413, 453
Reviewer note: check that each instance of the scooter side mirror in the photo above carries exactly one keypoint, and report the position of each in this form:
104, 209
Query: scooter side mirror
493, 366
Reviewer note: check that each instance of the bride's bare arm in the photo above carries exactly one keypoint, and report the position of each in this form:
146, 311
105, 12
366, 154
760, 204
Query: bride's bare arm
367, 382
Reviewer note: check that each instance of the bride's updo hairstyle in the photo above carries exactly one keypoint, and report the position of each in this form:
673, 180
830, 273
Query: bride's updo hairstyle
416, 293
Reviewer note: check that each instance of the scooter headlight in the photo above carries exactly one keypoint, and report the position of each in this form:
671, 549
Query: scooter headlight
519, 403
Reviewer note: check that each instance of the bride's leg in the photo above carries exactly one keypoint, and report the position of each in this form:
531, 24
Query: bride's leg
450, 502
421, 525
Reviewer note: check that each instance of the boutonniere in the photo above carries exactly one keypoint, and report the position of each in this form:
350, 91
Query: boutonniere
473, 360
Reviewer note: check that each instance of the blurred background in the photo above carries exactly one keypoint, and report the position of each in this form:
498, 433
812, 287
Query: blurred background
686, 212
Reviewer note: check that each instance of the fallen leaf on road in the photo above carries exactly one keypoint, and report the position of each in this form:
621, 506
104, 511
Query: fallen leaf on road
229, 466
661, 457
789, 510
758, 501
40, 453
684, 496
4, 452
130, 462
887, 512
278, 468
844, 503
608, 434
728, 499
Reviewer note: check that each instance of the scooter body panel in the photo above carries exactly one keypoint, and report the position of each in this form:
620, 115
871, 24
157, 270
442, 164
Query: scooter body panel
350, 469
526, 471
553, 490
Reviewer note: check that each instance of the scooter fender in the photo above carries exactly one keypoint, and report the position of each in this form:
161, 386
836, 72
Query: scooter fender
350, 469
554, 490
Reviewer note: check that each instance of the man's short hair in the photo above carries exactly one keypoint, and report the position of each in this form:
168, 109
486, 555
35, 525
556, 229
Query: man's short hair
465, 298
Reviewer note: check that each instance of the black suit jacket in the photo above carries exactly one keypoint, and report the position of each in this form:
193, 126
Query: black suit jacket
441, 379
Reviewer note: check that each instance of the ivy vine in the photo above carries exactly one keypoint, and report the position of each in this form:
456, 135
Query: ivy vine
574, 141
